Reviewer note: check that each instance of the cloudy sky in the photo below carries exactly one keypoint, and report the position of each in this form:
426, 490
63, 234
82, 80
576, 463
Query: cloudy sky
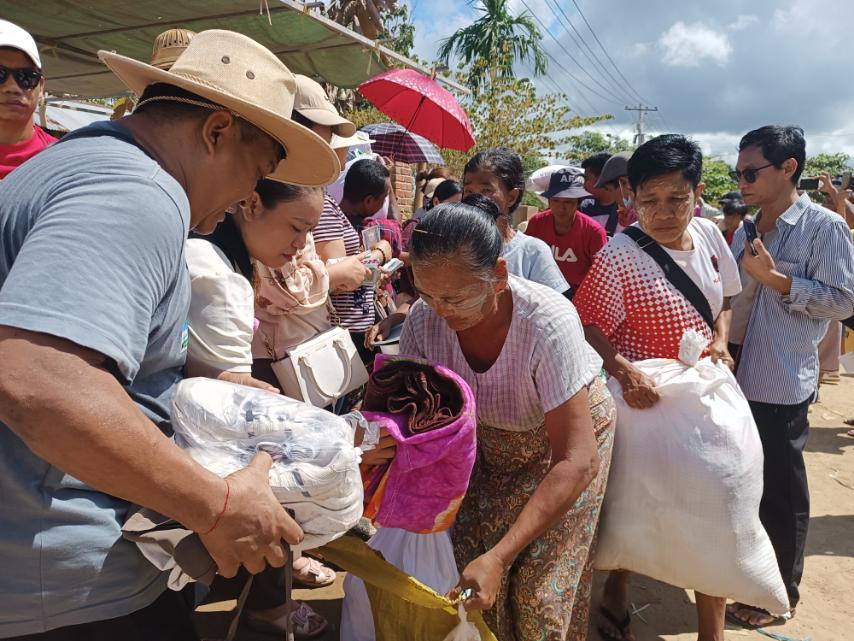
714, 69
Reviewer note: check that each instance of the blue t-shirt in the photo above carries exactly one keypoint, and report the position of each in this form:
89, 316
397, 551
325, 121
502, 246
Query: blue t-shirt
606, 215
92, 237
530, 258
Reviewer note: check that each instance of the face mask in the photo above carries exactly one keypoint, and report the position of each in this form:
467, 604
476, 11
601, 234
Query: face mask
627, 202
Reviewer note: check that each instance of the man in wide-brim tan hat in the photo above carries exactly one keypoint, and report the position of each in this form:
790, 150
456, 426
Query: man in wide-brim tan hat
94, 296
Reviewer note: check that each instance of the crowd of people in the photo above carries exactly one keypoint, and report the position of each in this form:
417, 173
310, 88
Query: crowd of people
235, 215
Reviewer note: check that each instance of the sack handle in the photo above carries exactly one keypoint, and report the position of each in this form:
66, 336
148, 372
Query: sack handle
345, 359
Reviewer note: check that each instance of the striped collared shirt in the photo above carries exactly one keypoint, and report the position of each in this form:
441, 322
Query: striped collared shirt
779, 359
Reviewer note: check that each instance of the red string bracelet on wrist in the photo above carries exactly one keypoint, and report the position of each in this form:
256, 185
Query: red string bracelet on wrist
224, 508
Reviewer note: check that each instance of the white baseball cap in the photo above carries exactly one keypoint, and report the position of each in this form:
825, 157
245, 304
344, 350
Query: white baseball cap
11, 35
358, 139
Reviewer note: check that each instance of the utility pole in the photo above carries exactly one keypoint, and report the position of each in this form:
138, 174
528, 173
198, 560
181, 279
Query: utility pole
640, 136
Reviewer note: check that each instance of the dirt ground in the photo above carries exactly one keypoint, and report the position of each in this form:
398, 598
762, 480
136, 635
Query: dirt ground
826, 611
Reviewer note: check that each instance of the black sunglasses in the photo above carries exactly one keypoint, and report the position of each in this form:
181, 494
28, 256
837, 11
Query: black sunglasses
749, 174
26, 78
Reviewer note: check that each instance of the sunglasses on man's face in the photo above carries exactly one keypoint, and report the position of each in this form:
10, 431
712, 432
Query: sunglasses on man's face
748, 174
27, 79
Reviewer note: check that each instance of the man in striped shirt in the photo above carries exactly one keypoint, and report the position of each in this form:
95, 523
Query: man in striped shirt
799, 277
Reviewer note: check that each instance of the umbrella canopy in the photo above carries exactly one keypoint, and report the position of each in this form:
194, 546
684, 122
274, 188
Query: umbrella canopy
395, 142
420, 105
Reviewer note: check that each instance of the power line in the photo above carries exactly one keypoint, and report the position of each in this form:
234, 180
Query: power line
599, 42
586, 48
552, 86
569, 73
556, 89
583, 68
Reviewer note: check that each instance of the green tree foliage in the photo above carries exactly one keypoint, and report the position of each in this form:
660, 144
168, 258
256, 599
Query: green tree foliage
494, 43
833, 164
509, 113
587, 143
398, 32
717, 180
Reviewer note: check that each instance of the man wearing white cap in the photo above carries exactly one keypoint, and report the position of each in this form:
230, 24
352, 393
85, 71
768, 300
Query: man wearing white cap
21, 84
94, 297
574, 238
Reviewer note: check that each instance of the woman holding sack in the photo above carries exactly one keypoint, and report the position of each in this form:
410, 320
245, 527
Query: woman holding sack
632, 310
526, 528
271, 228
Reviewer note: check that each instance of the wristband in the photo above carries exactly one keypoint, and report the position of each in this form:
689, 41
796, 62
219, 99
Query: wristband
224, 508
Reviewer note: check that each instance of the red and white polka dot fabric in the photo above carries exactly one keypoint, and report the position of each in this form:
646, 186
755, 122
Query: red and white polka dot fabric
627, 296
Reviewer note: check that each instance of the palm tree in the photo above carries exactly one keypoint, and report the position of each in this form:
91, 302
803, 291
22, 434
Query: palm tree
493, 43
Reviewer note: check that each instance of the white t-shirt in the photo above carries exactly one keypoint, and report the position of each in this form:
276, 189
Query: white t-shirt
715, 281
222, 310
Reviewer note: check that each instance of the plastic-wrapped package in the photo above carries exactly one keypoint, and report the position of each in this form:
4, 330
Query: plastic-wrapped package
315, 468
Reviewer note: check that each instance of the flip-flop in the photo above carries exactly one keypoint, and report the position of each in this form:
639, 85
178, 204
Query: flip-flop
621, 625
735, 620
305, 623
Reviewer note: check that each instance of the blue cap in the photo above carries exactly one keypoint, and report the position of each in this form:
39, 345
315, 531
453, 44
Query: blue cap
566, 183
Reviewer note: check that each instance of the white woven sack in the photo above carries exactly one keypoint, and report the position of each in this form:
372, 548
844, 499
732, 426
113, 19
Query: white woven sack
539, 180
682, 503
315, 469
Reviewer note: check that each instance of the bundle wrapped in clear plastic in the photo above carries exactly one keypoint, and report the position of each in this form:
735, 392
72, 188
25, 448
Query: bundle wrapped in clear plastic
315, 469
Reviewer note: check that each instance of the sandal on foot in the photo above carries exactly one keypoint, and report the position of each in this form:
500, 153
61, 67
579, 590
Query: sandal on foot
732, 615
621, 625
305, 623
311, 573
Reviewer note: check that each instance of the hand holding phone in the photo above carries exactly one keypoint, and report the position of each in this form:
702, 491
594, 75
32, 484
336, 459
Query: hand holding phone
751, 233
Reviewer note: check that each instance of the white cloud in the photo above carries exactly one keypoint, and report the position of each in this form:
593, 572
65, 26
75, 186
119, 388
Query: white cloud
686, 45
443, 19
640, 49
743, 22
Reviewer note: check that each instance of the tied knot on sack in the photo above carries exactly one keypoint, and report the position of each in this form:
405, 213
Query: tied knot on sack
464, 630
691, 347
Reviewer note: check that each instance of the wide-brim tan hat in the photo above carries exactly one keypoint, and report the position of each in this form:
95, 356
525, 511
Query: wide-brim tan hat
168, 46
239, 74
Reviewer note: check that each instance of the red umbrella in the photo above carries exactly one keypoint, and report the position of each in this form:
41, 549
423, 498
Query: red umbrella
422, 106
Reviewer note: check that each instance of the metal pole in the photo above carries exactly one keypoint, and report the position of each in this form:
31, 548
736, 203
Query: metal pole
640, 136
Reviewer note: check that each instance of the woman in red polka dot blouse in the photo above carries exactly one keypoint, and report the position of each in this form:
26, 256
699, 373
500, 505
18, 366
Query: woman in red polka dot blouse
631, 311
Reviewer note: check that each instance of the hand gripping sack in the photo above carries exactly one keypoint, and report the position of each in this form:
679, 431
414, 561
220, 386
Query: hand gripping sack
315, 470
682, 503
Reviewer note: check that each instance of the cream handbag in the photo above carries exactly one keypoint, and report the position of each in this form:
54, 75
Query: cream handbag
322, 369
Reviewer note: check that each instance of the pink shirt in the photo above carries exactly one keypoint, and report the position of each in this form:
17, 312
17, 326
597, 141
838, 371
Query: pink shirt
573, 251
12, 156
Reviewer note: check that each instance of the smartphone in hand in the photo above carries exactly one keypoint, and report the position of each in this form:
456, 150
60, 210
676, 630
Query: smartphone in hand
751, 233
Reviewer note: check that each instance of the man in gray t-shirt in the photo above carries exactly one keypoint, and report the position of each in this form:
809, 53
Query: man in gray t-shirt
94, 296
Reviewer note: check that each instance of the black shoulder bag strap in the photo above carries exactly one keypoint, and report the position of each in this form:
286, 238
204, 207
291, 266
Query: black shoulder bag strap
613, 219
674, 273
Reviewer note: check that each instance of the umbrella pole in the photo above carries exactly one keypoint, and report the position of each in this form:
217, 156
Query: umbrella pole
411, 120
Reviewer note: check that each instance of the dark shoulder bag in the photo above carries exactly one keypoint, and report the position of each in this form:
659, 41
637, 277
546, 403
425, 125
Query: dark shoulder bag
674, 273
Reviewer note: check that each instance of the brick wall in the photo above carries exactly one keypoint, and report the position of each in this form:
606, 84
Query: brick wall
401, 180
